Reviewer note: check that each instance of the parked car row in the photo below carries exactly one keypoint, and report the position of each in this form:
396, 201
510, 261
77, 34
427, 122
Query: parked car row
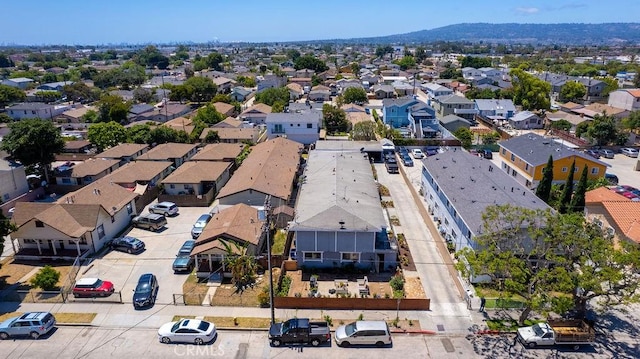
304, 331
607, 153
628, 191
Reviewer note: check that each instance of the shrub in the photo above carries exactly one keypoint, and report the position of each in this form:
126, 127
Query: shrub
395, 322
263, 297
397, 282
361, 316
46, 278
283, 290
328, 319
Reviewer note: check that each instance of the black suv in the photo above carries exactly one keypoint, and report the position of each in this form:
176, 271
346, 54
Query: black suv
146, 291
127, 244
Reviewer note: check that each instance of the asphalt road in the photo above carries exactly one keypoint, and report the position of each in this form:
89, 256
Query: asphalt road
94, 342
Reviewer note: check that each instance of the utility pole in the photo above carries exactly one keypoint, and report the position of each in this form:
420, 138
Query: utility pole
267, 210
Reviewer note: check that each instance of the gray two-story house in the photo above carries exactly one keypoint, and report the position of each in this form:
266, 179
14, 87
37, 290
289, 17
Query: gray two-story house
338, 217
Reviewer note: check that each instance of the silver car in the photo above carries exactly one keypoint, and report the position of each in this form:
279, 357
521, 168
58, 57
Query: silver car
607, 153
199, 225
164, 208
33, 324
631, 152
363, 332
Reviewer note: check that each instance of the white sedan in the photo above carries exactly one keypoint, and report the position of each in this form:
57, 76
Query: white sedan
417, 153
187, 331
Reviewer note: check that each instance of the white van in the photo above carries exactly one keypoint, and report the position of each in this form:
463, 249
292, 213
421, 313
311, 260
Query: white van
363, 332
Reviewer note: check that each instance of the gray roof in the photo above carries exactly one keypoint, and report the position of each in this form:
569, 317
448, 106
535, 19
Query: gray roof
140, 108
522, 116
338, 193
30, 106
535, 149
20, 79
453, 99
471, 184
490, 105
453, 118
294, 117
401, 101
352, 146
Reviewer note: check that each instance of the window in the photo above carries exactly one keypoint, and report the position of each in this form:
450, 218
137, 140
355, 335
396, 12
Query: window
313, 256
278, 128
172, 186
66, 180
564, 169
29, 241
298, 125
309, 125
39, 224
101, 231
611, 231
595, 170
83, 239
513, 157
129, 208
350, 256
113, 219
514, 173
504, 151
526, 167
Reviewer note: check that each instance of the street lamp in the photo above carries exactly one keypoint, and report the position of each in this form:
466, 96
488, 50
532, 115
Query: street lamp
267, 209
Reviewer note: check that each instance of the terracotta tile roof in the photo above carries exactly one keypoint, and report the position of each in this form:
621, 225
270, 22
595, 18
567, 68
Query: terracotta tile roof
270, 168
73, 220
259, 107
138, 171
218, 152
223, 108
197, 172
122, 150
167, 150
233, 133
92, 167
626, 216
239, 222
634, 92
603, 194
110, 196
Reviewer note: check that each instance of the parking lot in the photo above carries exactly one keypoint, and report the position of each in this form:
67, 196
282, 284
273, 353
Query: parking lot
623, 167
124, 269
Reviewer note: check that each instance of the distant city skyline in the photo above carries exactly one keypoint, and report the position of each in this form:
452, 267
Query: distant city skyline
71, 22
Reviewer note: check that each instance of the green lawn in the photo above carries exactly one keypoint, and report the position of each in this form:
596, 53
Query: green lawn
499, 303
509, 324
279, 240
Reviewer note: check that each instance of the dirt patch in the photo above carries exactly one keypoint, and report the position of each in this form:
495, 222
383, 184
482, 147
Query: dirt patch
193, 290
227, 295
378, 283
413, 288
11, 272
405, 258
178, 317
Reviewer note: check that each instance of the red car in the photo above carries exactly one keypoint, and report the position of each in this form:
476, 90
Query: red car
92, 287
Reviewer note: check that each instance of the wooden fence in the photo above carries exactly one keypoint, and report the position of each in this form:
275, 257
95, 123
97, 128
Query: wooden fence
352, 303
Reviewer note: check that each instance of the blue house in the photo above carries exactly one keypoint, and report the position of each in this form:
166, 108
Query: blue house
409, 115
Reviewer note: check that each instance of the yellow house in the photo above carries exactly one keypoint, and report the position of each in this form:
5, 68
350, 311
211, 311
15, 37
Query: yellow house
524, 157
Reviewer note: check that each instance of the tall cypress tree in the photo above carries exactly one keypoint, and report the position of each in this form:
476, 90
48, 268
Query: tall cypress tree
567, 191
544, 187
577, 202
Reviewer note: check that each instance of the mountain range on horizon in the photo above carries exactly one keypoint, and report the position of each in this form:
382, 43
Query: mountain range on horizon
562, 33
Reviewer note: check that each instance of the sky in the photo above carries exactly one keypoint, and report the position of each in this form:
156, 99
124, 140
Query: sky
73, 22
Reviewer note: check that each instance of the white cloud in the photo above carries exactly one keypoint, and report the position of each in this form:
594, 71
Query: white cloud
527, 10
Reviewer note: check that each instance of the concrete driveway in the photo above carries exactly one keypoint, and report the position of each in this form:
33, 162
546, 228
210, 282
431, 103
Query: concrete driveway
124, 269
624, 167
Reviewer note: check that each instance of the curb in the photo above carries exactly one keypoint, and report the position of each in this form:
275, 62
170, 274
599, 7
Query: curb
493, 332
424, 332
74, 325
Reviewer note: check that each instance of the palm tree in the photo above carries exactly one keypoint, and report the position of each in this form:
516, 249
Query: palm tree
243, 267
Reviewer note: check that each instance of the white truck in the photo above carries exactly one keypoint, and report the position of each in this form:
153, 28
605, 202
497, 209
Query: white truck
573, 332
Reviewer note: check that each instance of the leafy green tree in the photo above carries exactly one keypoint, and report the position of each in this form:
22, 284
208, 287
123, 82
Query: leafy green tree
106, 134
212, 137
490, 138
475, 62
476, 93
128, 75
636, 80
113, 108
577, 201
212, 61
407, 62
4, 118
143, 95
529, 91
78, 92
572, 91
383, 50
364, 131
10, 94
278, 107
271, 95
48, 96
420, 54
581, 128
139, 133
91, 116
465, 136
602, 129
221, 97
151, 57
355, 68
208, 115
611, 85
246, 81
334, 118
543, 190
46, 278
33, 142
561, 124
163, 134
293, 54
632, 123
5, 61
450, 73
355, 95
200, 89
567, 190
6, 228
310, 62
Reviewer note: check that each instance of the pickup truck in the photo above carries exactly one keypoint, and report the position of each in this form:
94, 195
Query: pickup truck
573, 332
299, 330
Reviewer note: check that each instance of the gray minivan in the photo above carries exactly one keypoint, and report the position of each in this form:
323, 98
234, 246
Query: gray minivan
363, 332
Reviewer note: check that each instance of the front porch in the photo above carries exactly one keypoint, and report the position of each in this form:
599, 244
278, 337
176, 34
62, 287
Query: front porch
49, 249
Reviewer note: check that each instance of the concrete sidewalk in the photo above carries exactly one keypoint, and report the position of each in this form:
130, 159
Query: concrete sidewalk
112, 315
